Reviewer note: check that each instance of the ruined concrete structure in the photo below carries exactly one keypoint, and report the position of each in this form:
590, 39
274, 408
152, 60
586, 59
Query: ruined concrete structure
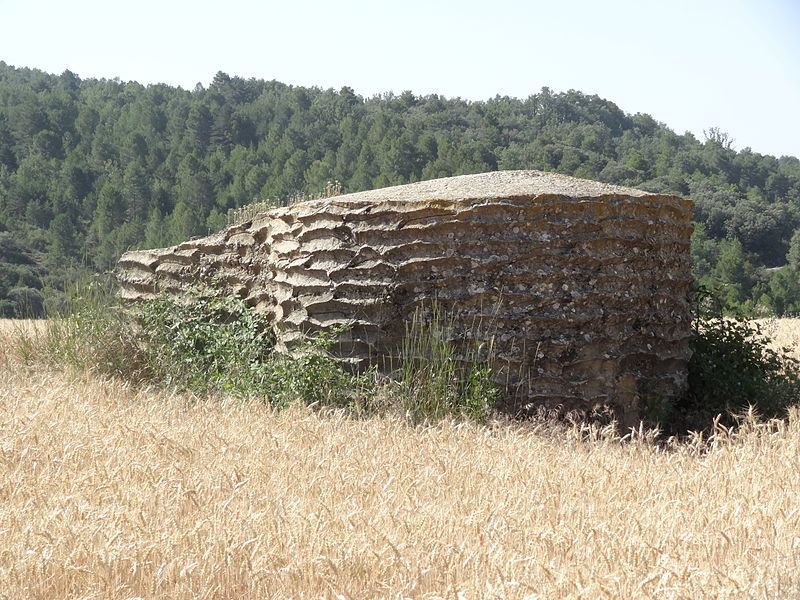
580, 289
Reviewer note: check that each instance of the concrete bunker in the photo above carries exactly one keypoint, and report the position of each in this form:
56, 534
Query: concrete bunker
582, 288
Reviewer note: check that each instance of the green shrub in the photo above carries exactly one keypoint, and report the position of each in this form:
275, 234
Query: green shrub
733, 368
7, 309
733, 371
205, 340
210, 341
28, 302
313, 374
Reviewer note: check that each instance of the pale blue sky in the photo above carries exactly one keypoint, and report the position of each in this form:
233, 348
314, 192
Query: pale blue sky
691, 64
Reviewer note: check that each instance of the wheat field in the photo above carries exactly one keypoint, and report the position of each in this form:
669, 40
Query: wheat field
784, 333
112, 492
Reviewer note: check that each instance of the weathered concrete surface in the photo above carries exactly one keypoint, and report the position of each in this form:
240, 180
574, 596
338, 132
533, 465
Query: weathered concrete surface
582, 287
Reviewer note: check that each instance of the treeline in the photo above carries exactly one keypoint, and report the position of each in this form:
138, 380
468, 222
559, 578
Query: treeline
91, 168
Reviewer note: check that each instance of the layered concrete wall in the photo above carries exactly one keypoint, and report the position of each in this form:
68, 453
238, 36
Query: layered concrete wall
580, 289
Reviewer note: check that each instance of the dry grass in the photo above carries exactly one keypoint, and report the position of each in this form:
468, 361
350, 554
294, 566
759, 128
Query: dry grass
785, 333
9, 327
112, 492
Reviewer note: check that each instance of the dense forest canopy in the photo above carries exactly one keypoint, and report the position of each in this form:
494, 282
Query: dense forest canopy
90, 168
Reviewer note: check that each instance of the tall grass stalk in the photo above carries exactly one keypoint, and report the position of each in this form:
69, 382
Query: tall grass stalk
443, 372
90, 332
248, 212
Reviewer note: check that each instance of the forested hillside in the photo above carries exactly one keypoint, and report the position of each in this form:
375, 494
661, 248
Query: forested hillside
90, 168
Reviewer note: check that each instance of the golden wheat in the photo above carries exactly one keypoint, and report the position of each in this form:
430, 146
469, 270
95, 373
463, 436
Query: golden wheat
112, 492
784, 333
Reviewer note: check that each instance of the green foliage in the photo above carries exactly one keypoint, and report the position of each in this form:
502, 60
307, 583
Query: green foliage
205, 341
480, 394
28, 302
313, 374
740, 287
793, 254
20, 280
210, 342
734, 272
732, 368
784, 291
109, 165
705, 252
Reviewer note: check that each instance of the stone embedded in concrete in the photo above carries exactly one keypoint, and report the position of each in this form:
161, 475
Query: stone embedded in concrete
580, 287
